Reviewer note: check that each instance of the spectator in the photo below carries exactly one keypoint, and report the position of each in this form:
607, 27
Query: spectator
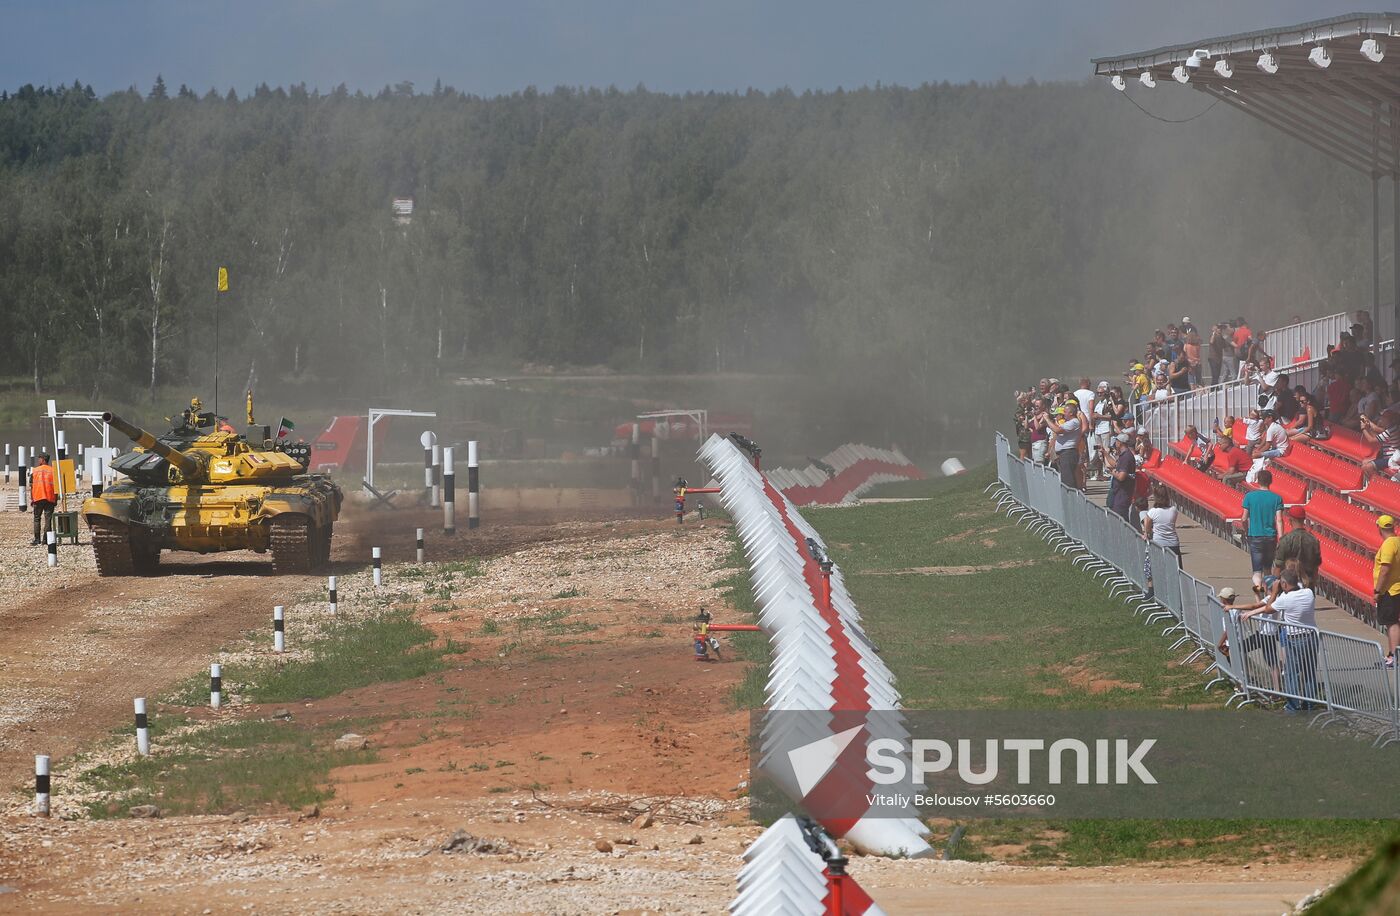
1338, 392
1188, 327
1221, 350
1066, 430
1192, 348
1022, 420
1265, 637
1299, 549
1349, 360
1159, 523
1368, 402
1358, 334
1118, 406
1241, 336
1085, 396
1161, 386
1285, 402
1197, 444
1255, 353
1103, 429
1263, 511
1179, 373
1385, 436
1386, 575
1253, 430
1313, 426
1120, 489
1072, 405
1297, 611
1368, 328
1227, 460
1274, 443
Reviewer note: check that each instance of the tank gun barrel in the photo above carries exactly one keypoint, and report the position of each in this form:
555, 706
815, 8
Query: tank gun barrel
188, 466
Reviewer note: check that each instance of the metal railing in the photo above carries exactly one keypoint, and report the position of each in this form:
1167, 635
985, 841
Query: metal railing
1339, 677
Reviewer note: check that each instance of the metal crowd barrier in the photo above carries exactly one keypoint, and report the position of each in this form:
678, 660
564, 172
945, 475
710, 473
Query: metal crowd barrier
1338, 677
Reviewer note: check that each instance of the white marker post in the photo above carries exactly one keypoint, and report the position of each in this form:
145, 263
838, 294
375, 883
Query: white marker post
97, 472
473, 487
437, 476
53, 549
636, 451
279, 633
330, 587
62, 445
428, 439
41, 785
449, 492
216, 686
7, 462
23, 481
419, 546
143, 733
378, 559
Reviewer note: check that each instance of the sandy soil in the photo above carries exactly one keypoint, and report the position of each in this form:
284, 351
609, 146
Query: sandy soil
550, 744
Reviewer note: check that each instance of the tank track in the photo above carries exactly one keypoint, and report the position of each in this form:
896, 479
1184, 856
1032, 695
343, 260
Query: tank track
293, 547
111, 547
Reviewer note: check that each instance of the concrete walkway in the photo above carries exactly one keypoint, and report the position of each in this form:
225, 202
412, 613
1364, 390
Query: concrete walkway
1215, 560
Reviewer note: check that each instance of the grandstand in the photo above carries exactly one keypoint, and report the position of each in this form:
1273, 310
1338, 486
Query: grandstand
1334, 85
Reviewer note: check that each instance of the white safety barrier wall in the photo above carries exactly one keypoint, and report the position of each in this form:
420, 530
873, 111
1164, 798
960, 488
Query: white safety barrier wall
784, 876
1307, 340
1343, 677
822, 659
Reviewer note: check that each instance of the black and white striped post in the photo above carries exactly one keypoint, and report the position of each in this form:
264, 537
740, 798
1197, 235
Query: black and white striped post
7, 462
216, 686
636, 461
62, 445
378, 559
143, 732
435, 493
279, 630
655, 467
97, 471
330, 587
473, 487
41, 785
53, 548
449, 492
23, 481
419, 546
428, 440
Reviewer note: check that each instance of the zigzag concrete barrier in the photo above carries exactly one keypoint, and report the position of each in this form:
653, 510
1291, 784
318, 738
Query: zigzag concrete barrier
784, 875
826, 677
843, 475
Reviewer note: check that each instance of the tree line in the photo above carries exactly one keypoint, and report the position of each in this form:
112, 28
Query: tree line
912, 249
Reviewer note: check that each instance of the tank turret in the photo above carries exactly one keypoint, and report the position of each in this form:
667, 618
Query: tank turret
189, 466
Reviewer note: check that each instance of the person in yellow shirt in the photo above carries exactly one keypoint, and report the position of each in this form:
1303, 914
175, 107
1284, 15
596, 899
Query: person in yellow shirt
1387, 583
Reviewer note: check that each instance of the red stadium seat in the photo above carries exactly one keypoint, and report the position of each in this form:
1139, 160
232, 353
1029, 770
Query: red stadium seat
1348, 521
1332, 472
1346, 442
1199, 489
1350, 571
1293, 490
1381, 494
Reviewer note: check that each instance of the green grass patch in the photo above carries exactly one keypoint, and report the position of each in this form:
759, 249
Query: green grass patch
388, 647
751, 647
224, 768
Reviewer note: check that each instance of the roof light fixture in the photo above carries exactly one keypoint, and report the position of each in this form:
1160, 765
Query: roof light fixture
1373, 49
1224, 68
1319, 57
1268, 62
1118, 82
1147, 79
1181, 74
1198, 55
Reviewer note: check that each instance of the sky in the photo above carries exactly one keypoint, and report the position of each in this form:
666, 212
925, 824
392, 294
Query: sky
491, 48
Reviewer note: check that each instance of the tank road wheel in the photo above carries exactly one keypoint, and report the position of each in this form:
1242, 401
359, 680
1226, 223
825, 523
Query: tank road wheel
111, 547
293, 549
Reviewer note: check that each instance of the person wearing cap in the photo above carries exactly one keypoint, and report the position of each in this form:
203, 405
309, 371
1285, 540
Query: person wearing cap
1123, 477
1386, 573
1074, 407
1297, 610
1065, 426
43, 497
1226, 459
1188, 326
1299, 549
1263, 516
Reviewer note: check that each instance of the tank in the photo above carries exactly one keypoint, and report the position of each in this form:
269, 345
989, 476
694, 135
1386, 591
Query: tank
203, 489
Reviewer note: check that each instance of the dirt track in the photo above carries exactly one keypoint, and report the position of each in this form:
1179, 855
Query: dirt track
543, 746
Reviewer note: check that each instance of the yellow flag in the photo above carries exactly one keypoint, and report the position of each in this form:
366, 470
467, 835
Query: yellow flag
223, 279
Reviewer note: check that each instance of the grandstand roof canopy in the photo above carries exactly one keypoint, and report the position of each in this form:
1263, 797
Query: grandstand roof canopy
1333, 84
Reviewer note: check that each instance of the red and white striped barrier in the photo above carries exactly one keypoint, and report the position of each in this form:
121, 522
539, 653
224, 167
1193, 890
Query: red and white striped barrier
826, 676
843, 475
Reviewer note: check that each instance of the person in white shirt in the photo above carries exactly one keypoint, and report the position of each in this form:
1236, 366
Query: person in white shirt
1085, 397
1103, 428
1273, 444
1159, 523
1067, 432
1297, 610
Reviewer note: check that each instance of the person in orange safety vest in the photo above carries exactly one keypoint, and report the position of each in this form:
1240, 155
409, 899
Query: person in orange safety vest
43, 497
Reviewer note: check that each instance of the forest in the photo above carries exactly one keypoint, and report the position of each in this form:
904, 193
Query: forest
911, 250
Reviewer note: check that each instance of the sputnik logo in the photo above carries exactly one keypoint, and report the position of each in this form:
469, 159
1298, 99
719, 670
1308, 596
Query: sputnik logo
811, 762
